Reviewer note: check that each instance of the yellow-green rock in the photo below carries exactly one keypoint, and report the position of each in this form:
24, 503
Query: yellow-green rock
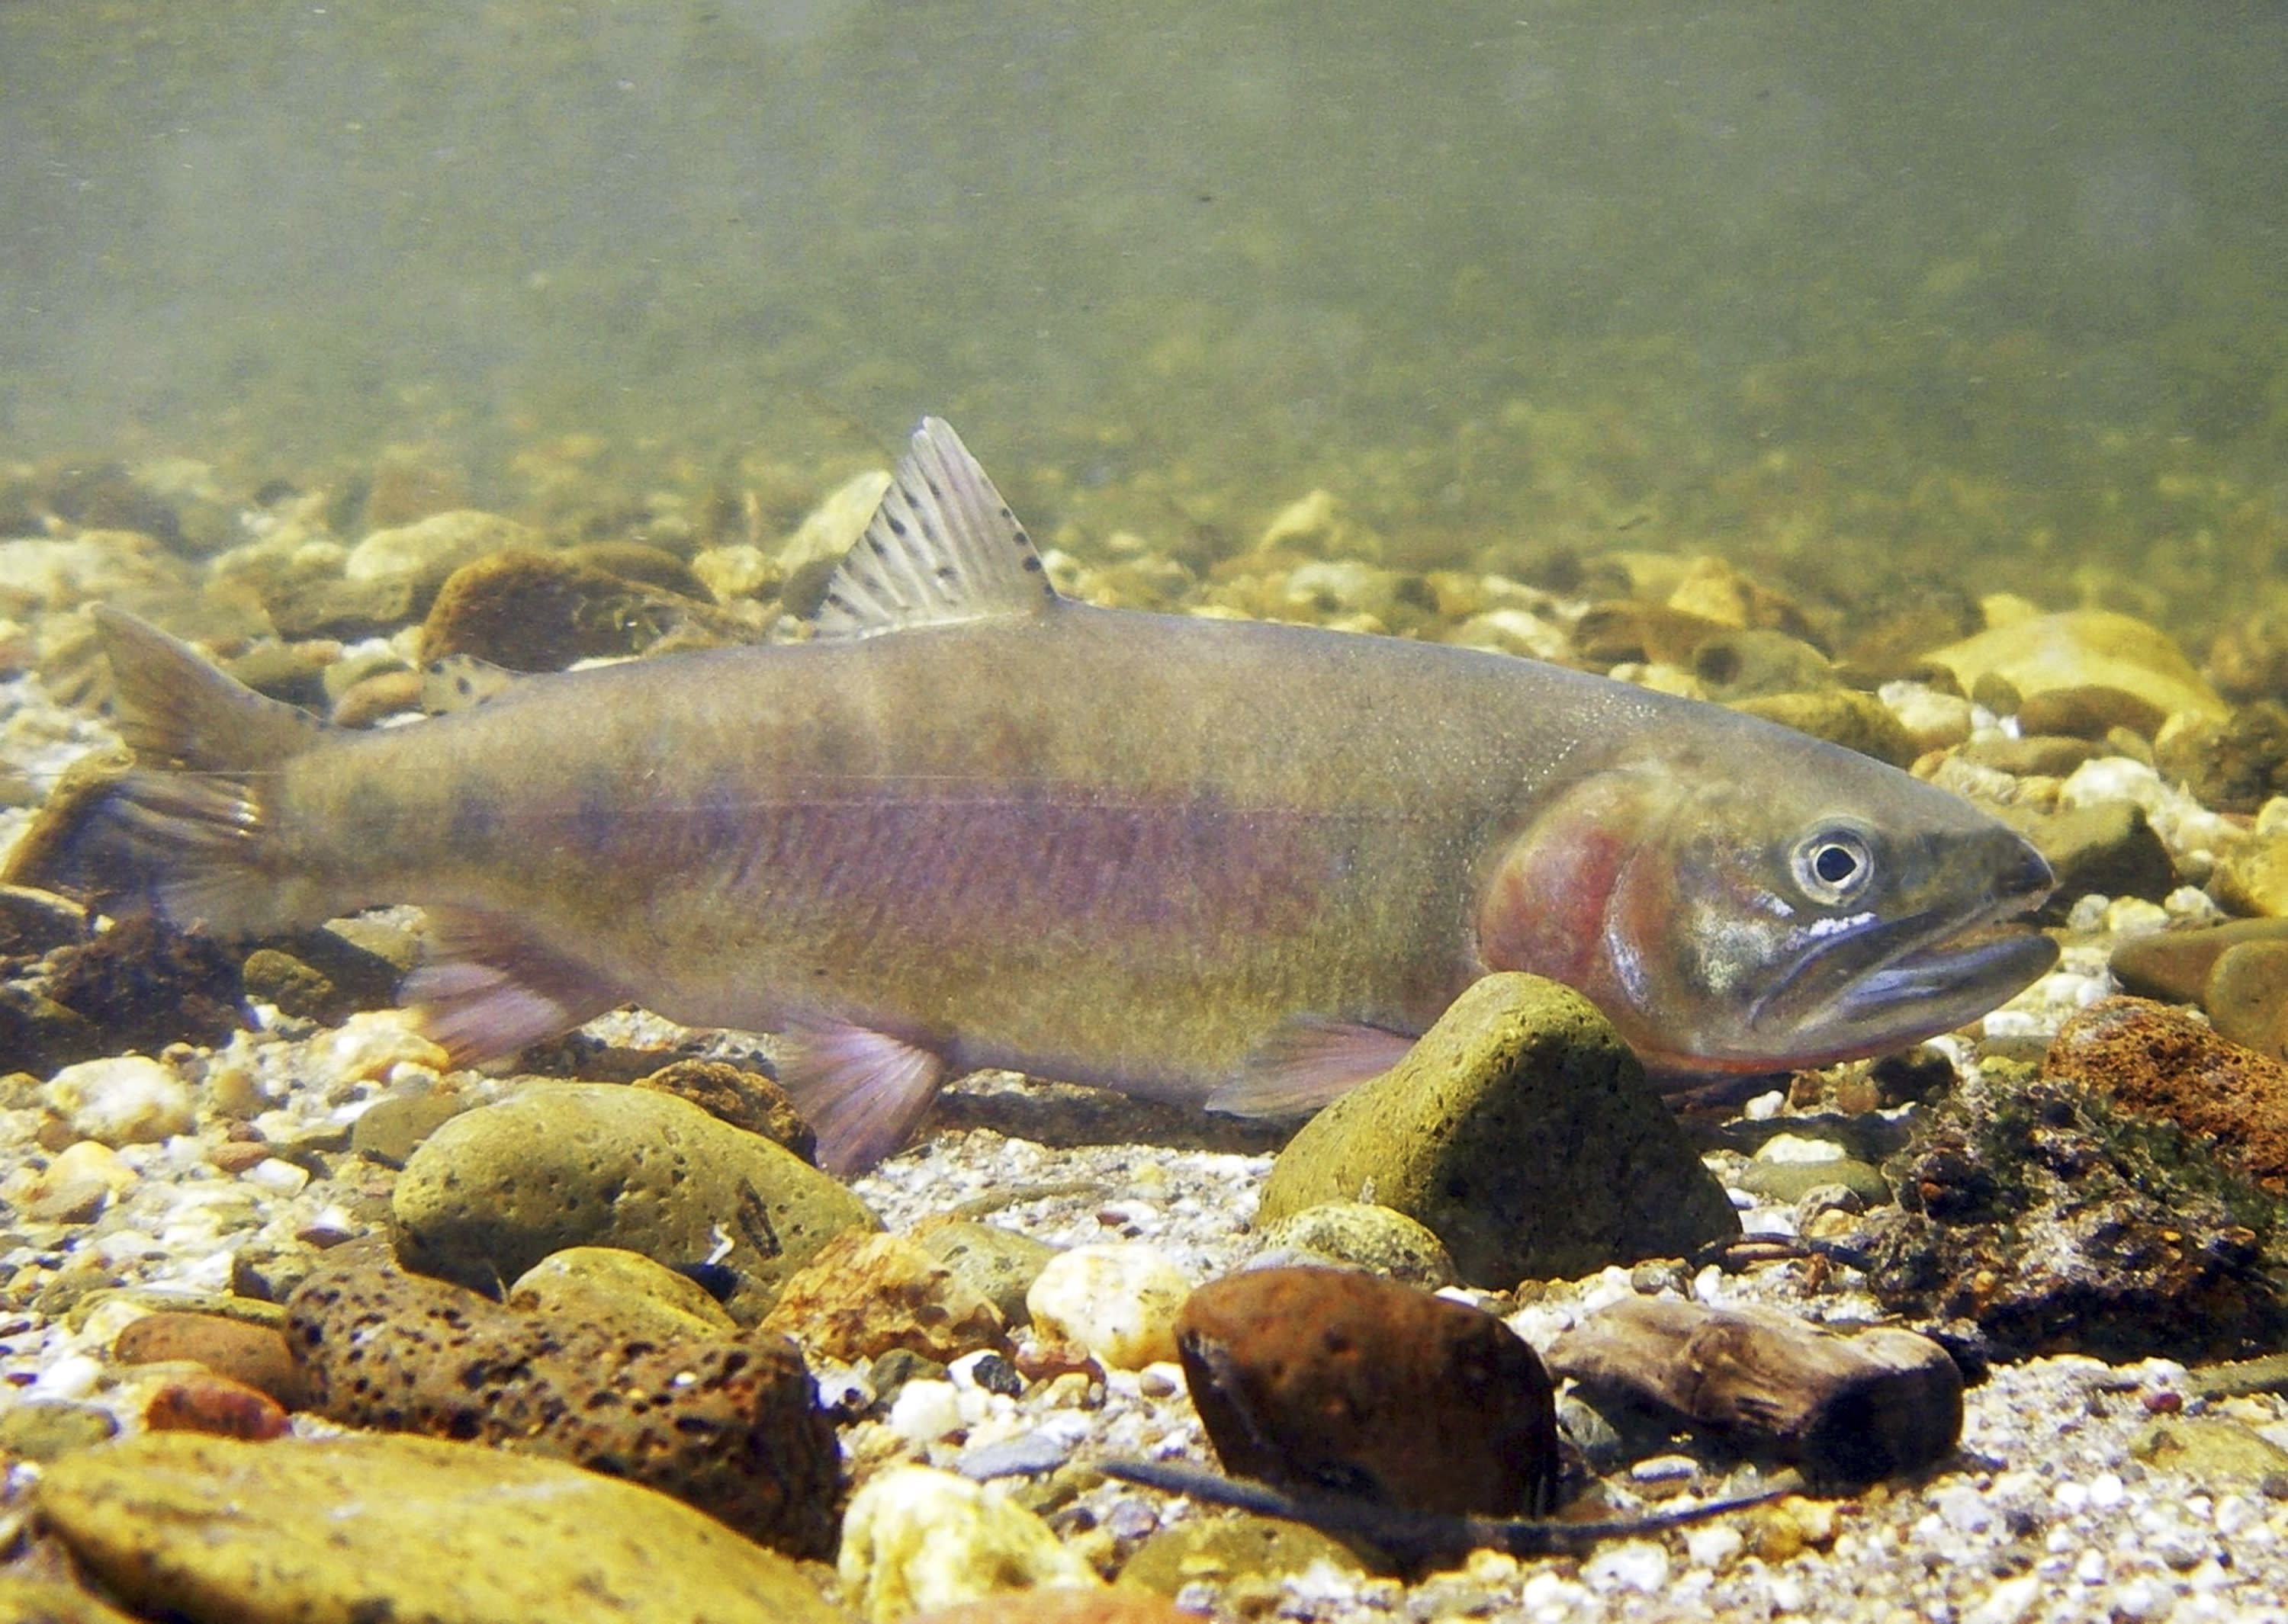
612, 1286
2084, 648
1220, 1549
339, 1530
493, 1192
31, 1600
1520, 1131
1841, 716
916, 1539
1363, 1236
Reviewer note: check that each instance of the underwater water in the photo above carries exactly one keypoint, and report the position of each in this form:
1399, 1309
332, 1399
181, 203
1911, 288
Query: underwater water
1860, 296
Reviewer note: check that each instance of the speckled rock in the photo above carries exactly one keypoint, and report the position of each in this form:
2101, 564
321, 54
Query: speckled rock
126, 1100
1522, 1132
1319, 1378
213, 1531
2156, 1061
999, 1264
2084, 648
493, 1192
2035, 1217
626, 1291
47, 1430
745, 1099
253, 1354
865, 1294
1119, 1301
729, 1425
1364, 1236
916, 1539
393, 1128
1841, 716
1221, 1550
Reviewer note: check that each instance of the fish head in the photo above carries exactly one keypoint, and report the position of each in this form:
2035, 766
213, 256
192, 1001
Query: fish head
1771, 914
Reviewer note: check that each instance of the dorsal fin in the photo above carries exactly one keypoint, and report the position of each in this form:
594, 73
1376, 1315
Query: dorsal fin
942, 548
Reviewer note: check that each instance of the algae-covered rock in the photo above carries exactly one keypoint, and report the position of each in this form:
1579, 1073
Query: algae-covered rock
610, 1286
214, 1531
494, 1191
1362, 1235
2084, 648
1221, 1550
999, 1264
1522, 1132
35, 1600
1841, 716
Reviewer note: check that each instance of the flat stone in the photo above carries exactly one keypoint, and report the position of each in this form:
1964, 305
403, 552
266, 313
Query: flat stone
393, 1128
494, 1191
252, 1354
47, 1430
2084, 648
214, 1531
865, 1294
1322, 1378
1791, 1181
2211, 1450
731, 1425
2174, 965
1520, 1131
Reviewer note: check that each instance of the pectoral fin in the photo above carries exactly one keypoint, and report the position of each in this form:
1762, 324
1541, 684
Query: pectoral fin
1306, 1063
864, 1091
487, 988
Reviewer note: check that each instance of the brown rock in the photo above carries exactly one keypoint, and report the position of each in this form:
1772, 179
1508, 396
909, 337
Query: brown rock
744, 1099
253, 1355
731, 1426
2174, 966
866, 1294
2089, 712
1848, 1410
214, 1404
2038, 756
2156, 1061
1319, 1379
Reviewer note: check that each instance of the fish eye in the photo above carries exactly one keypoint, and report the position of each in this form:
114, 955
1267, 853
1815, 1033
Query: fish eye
1832, 865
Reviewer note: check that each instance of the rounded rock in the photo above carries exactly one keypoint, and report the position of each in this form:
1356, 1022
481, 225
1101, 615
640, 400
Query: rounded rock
1360, 1233
252, 1354
865, 1294
915, 1539
494, 1191
608, 1286
127, 1099
1120, 1300
999, 1264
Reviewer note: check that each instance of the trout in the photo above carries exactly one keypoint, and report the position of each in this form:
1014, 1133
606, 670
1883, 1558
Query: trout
971, 823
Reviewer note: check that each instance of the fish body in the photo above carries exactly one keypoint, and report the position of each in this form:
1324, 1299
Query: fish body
973, 824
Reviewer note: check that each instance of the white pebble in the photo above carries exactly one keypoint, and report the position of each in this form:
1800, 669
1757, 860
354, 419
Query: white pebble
72, 1376
2007, 1602
1964, 1509
370, 1042
924, 1411
273, 1174
1639, 1564
1713, 1545
126, 1100
1798, 1150
1119, 1301
2106, 1492
1764, 1107
2144, 1597
915, 1539
1549, 1594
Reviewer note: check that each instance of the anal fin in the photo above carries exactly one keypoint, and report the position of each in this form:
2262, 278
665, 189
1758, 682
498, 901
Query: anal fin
864, 1091
1308, 1063
487, 988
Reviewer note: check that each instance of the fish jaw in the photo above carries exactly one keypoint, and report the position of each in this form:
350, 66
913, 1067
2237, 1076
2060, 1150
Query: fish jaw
1810, 907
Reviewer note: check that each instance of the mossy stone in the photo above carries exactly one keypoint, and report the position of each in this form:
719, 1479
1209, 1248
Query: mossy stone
48, 1430
1520, 1131
493, 1192
1365, 1236
998, 1264
211, 1529
610, 1286
1221, 1550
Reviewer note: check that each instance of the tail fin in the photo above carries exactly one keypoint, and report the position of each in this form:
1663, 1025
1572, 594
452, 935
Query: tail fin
184, 833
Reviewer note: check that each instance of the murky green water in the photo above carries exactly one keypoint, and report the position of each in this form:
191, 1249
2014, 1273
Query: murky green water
1860, 297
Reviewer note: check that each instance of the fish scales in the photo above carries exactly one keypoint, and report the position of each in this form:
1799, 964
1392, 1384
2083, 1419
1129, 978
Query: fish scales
972, 824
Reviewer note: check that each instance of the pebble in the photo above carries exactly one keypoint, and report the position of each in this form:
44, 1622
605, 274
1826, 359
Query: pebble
1120, 1300
999, 1264
74, 1186
744, 1099
494, 1190
1362, 1235
252, 1354
1638, 1565
127, 1099
866, 1292
915, 1539
925, 1410
1062, 1607
606, 1285
731, 1425
1322, 1377
216, 1531
46, 1429
428, 551
1520, 1131
214, 1404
